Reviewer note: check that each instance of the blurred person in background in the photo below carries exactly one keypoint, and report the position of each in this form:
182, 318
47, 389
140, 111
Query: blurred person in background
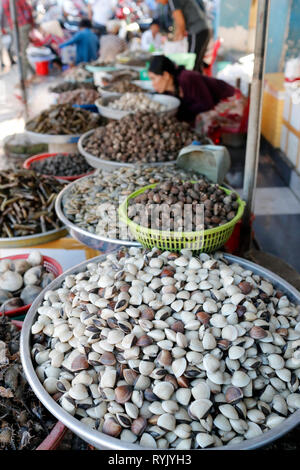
72, 12
111, 44
6, 38
50, 34
54, 12
87, 43
152, 7
100, 12
198, 93
152, 39
142, 9
74, 8
164, 17
190, 18
26, 23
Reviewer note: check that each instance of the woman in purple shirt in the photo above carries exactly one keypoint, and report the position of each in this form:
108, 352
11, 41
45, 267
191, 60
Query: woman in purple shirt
197, 92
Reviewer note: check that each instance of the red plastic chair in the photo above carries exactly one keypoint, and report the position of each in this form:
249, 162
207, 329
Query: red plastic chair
208, 71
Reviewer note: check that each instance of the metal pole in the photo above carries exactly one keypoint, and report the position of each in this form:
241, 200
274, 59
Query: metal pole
20, 58
254, 125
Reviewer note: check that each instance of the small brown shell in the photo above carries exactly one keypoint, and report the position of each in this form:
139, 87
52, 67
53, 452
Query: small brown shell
257, 332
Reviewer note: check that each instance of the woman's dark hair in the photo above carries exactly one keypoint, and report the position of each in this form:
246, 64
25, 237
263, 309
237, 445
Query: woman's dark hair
155, 22
160, 64
85, 23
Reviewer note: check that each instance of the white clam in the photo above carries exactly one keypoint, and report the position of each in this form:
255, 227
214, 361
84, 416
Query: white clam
293, 400
228, 309
115, 336
205, 440
229, 411
210, 306
274, 420
208, 341
170, 406
183, 431
163, 390
254, 430
200, 391
236, 352
276, 361
229, 332
179, 366
199, 408
148, 441
218, 320
240, 379
183, 396
221, 422
256, 416
167, 421
211, 363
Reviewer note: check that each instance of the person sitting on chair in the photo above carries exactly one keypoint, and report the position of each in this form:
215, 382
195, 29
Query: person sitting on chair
111, 44
86, 42
152, 37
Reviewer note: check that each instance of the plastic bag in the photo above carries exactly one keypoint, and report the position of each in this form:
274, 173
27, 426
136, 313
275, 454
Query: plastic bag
68, 54
172, 47
229, 115
183, 58
292, 69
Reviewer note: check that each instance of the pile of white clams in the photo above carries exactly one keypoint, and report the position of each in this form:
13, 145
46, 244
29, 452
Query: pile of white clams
170, 350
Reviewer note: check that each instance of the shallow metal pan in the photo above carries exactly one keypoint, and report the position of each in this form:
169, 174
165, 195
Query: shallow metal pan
103, 441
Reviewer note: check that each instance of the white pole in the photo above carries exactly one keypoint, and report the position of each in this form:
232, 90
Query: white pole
254, 125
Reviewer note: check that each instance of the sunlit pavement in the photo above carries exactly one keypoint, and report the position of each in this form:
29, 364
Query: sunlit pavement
12, 115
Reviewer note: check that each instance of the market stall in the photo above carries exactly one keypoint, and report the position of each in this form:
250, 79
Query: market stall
140, 333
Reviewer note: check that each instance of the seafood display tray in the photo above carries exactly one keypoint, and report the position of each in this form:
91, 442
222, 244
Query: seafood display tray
53, 139
31, 240
145, 85
170, 102
108, 165
42, 156
83, 236
103, 441
136, 68
100, 68
49, 264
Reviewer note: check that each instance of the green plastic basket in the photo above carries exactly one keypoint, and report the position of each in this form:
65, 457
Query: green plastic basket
205, 242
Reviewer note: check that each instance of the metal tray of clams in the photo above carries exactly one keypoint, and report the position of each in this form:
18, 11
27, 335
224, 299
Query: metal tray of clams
103, 441
171, 104
89, 239
109, 165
